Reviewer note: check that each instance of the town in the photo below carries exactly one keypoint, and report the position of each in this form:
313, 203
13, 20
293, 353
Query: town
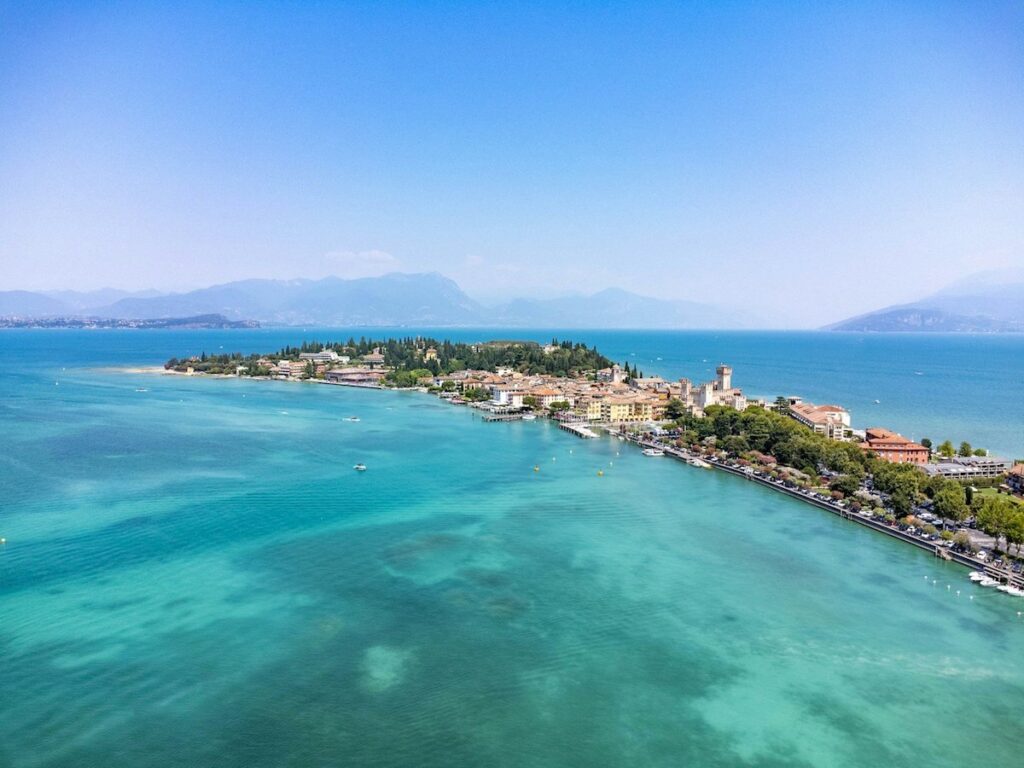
960, 503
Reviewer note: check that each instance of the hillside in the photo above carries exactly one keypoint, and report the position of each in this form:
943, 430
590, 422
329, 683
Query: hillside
980, 304
395, 299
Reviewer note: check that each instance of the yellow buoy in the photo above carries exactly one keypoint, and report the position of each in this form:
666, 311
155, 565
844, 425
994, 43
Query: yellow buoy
536, 468
600, 473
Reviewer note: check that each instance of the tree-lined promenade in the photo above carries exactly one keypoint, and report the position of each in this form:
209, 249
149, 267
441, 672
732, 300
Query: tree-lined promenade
784, 448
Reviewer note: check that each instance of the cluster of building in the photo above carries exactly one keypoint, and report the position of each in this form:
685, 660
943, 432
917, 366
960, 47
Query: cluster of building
367, 372
612, 397
832, 421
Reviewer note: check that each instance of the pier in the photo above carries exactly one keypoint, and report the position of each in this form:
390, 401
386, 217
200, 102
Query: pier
503, 417
580, 430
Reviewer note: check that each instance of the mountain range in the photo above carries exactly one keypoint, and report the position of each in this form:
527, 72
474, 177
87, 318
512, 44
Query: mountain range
396, 299
988, 302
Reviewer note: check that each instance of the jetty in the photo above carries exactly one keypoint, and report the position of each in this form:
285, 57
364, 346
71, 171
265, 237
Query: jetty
503, 417
580, 430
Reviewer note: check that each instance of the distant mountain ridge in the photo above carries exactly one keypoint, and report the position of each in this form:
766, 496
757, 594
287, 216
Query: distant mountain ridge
616, 308
396, 299
975, 305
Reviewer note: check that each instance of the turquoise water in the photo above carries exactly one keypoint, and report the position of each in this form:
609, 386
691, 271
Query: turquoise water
195, 576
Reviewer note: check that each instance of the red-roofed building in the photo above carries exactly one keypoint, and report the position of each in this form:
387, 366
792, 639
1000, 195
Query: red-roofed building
889, 445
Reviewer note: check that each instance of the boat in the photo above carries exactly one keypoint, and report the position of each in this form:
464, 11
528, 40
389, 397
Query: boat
1011, 590
976, 576
359, 467
529, 416
652, 452
352, 418
141, 389
877, 402
698, 463
987, 582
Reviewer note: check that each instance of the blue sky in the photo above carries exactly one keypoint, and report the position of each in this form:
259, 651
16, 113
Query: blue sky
804, 161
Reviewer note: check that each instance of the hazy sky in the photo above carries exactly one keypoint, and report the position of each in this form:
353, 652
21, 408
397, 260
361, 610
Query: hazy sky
806, 161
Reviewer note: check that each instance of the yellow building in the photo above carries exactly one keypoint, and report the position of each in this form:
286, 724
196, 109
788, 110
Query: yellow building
618, 410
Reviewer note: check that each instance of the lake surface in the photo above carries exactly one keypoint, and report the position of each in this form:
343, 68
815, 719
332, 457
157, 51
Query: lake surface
195, 576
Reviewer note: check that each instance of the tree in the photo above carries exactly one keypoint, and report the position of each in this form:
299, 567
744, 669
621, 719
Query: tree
735, 445
782, 405
946, 449
994, 516
675, 409
558, 406
961, 540
530, 401
845, 484
980, 452
902, 502
950, 502
926, 443
965, 449
1014, 529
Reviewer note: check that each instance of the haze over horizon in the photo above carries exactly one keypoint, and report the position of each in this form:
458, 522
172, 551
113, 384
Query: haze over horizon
806, 162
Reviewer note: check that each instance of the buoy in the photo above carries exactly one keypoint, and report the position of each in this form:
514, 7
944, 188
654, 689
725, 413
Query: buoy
972, 597
947, 586
3, 541
600, 473
536, 468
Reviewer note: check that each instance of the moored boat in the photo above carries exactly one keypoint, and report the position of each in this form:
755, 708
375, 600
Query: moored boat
652, 452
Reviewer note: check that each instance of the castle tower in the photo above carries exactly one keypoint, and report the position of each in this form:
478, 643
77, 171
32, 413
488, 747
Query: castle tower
724, 377
686, 391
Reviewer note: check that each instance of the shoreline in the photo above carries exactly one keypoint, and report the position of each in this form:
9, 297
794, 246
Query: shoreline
684, 456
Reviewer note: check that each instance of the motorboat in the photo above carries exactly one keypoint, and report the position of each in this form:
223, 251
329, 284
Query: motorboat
359, 467
352, 418
652, 452
976, 576
988, 582
529, 417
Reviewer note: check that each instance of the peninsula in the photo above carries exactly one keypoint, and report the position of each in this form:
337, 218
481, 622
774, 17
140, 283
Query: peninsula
962, 504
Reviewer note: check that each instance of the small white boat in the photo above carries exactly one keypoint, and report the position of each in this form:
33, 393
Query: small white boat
652, 452
987, 582
528, 417
352, 418
141, 389
877, 402
359, 467
976, 576
699, 463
